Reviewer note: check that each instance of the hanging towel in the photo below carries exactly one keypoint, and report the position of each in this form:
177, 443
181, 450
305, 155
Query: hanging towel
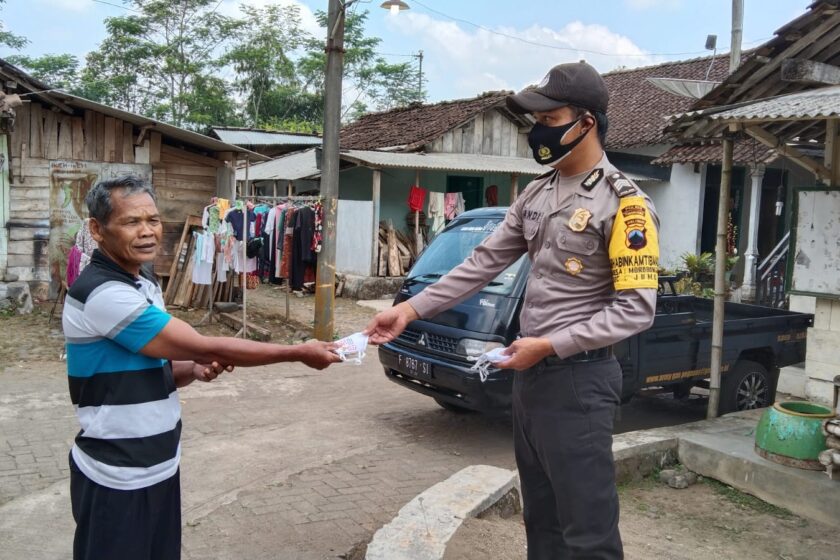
416, 198
436, 212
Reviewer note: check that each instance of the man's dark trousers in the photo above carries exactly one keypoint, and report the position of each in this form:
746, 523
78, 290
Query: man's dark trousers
142, 524
563, 421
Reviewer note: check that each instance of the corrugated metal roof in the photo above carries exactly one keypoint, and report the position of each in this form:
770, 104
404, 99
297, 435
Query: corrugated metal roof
264, 138
291, 167
814, 104
444, 162
303, 165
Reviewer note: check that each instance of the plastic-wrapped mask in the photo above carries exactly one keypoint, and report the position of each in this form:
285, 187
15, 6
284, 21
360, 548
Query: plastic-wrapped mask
482, 365
352, 348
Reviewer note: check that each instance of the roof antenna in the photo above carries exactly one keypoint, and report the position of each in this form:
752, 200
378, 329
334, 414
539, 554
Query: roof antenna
711, 45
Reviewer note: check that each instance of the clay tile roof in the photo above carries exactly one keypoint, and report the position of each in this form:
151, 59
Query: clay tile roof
744, 152
638, 108
413, 126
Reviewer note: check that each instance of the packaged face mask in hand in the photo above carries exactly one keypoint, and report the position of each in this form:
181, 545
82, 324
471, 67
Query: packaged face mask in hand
352, 348
482, 365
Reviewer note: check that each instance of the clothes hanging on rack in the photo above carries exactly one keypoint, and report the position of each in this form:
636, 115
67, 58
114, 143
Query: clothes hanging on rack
454, 204
436, 214
203, 255
303, 255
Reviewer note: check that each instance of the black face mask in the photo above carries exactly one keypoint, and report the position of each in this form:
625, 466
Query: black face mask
547, 142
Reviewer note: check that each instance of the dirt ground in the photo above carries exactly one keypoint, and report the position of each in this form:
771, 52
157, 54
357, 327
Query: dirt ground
37, 338
707, 521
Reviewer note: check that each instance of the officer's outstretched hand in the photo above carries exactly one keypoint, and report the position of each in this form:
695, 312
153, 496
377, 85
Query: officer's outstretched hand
526, 352
387, 325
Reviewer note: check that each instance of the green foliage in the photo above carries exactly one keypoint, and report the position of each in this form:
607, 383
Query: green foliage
182, 62
698, 265
9, 39
747, 502
57, 70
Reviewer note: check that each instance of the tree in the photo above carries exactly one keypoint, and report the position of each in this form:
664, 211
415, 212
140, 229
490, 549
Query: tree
161, 61
368, 78
9, 39
58, 70
263, 60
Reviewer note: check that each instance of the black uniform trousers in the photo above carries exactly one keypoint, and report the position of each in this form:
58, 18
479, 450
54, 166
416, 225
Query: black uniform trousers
142, 524
563, 422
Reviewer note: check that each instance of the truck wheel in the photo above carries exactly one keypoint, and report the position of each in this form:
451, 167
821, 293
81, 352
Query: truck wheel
453, 407
746, 387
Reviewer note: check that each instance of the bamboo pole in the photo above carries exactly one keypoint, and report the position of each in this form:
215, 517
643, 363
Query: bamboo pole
720, 283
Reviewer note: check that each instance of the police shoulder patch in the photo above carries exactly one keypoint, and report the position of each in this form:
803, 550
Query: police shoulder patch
592, 179
621, 184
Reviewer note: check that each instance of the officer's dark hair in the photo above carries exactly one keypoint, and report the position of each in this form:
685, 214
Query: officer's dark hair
98, 199
600, 120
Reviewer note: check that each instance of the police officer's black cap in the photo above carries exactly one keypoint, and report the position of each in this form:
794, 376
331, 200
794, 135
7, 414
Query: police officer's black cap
576, 83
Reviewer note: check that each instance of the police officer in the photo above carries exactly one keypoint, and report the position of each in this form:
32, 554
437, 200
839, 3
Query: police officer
591, 235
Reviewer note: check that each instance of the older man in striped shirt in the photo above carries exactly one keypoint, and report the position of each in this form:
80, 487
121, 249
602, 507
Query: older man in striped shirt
126, 357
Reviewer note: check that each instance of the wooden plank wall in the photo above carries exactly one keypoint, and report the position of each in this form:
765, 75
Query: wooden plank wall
490, 133
184, 181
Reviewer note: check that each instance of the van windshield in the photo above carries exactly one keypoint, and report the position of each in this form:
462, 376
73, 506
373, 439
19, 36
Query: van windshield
454, 245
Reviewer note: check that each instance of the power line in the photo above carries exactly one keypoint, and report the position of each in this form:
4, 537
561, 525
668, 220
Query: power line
555, 47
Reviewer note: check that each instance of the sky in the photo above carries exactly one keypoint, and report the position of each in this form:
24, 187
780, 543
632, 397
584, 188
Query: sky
471, 46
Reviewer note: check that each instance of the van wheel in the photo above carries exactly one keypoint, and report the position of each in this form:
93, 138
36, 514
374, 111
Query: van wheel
746, 387
453, 407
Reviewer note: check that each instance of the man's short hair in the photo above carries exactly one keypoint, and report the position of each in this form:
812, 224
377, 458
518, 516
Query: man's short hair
600, 119
98, 199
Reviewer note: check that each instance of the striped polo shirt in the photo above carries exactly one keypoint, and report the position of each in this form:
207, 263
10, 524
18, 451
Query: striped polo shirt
127, 403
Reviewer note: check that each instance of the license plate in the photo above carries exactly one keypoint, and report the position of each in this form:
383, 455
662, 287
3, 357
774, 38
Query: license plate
414, 367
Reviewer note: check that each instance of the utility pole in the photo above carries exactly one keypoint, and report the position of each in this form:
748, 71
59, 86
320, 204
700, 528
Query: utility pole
325, 278
420, 76
737, 34
718, 316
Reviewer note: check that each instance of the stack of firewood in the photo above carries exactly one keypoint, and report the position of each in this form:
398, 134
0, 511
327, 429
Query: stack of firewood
397, 251
830, 458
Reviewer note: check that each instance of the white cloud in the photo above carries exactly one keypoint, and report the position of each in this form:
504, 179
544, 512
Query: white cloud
69, 5
307, 17
648, 4
462, 63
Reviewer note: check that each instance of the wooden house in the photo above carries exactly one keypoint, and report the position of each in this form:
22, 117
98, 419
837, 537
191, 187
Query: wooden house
54, 147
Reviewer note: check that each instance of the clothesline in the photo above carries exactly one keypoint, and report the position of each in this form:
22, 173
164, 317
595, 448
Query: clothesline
270, 200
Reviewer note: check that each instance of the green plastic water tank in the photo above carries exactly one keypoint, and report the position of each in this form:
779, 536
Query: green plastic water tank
791, 433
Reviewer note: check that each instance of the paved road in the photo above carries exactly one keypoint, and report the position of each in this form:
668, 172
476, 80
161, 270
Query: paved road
279, 462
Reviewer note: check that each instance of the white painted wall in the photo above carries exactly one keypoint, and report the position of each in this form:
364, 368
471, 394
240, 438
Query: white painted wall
822, 362
679, 203
4, 203
354, 243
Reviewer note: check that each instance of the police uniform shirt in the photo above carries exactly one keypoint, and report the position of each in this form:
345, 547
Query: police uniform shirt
593, 244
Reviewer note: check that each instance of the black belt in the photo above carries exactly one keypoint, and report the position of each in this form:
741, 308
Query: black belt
588, 356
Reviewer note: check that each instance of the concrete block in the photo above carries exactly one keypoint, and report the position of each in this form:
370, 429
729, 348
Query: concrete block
824, 346
792, 380
731, 459
16, 296
369, 287
803, 304
424, 525
822, 313
820, 391
834, 324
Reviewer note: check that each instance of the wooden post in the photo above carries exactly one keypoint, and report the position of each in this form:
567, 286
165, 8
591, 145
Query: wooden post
244, 277
514, 187
377, 185
720, 287
418, 239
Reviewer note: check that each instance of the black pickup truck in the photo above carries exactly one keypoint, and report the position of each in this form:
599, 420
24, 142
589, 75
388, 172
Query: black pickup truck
434, 356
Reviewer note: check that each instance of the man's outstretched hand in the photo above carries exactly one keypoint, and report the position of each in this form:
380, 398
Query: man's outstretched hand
387, 325
318, 355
